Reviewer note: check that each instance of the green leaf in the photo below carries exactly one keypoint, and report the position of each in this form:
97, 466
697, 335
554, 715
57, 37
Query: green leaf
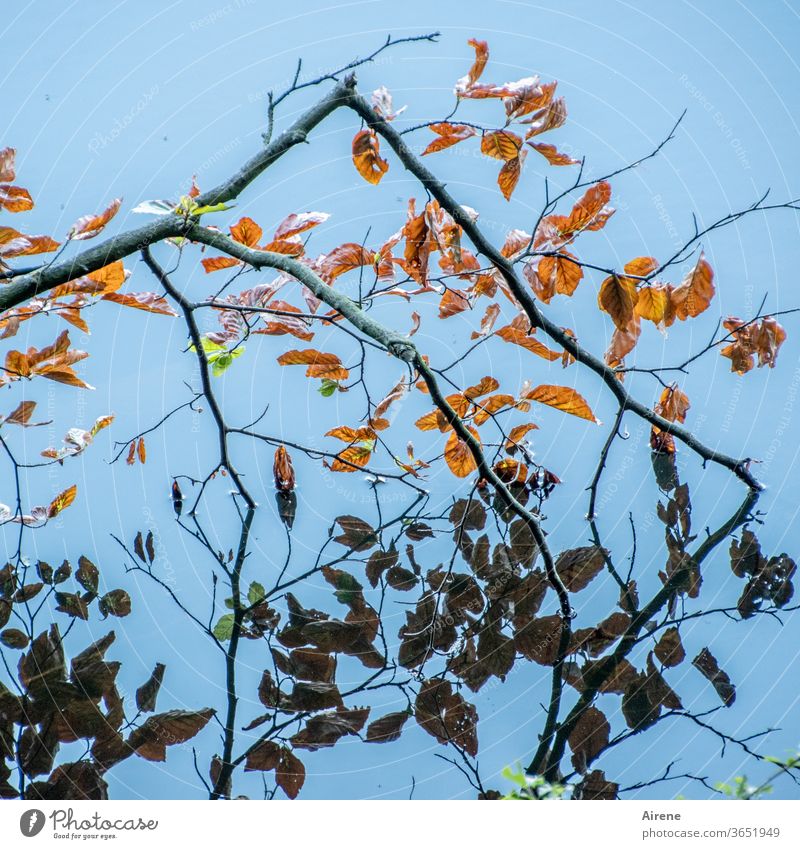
327, 387
223, 630
256, 593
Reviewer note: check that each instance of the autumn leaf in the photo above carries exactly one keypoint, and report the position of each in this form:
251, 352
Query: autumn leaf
579, 566
447, 136
89, 226
653, 303
695, 292
458, 455
15, 199
509, 175
319, 364
387, 728
283, 471
589, 737
669, 649
558, 274
618, 297
473, 75
366, 156
147, 301
551, 153
561, 398
299, 222
512, 334
708, 666
62, 501
501, 144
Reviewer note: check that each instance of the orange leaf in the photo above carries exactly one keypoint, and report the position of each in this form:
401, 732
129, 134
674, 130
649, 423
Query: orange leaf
491, 405
453, 302
509, 175
351, 459
349, 434
141, 451
217, 263
448, 135
15, 199
673, 404
366, 156
518, 337
562, 398
481, 58
299, 222
319, 364
552, 154
25, 245
62, 501
591, 212
518, 433
501, 144
695, 292
652, 304
147, 301
283, 470
458, 455
559, 274
642, 266
88, 226
246, 232
618, 297
487, 384
346, 258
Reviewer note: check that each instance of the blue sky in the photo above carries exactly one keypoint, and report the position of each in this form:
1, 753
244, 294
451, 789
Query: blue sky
131, 99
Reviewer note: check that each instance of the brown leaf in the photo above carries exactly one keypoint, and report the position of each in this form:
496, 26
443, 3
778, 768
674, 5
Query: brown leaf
708, 666
618, 297
446, 716
290, 774
387, 728
577, 567
263, 757
538, 639
356, 533
147, 694
588, 738
150, 740
669, 649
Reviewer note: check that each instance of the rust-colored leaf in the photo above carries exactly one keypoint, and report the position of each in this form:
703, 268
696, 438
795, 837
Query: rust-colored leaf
458, 455
447, 135
367, 158
89, 226
618, 297
561, 398
695, 292
319, 364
